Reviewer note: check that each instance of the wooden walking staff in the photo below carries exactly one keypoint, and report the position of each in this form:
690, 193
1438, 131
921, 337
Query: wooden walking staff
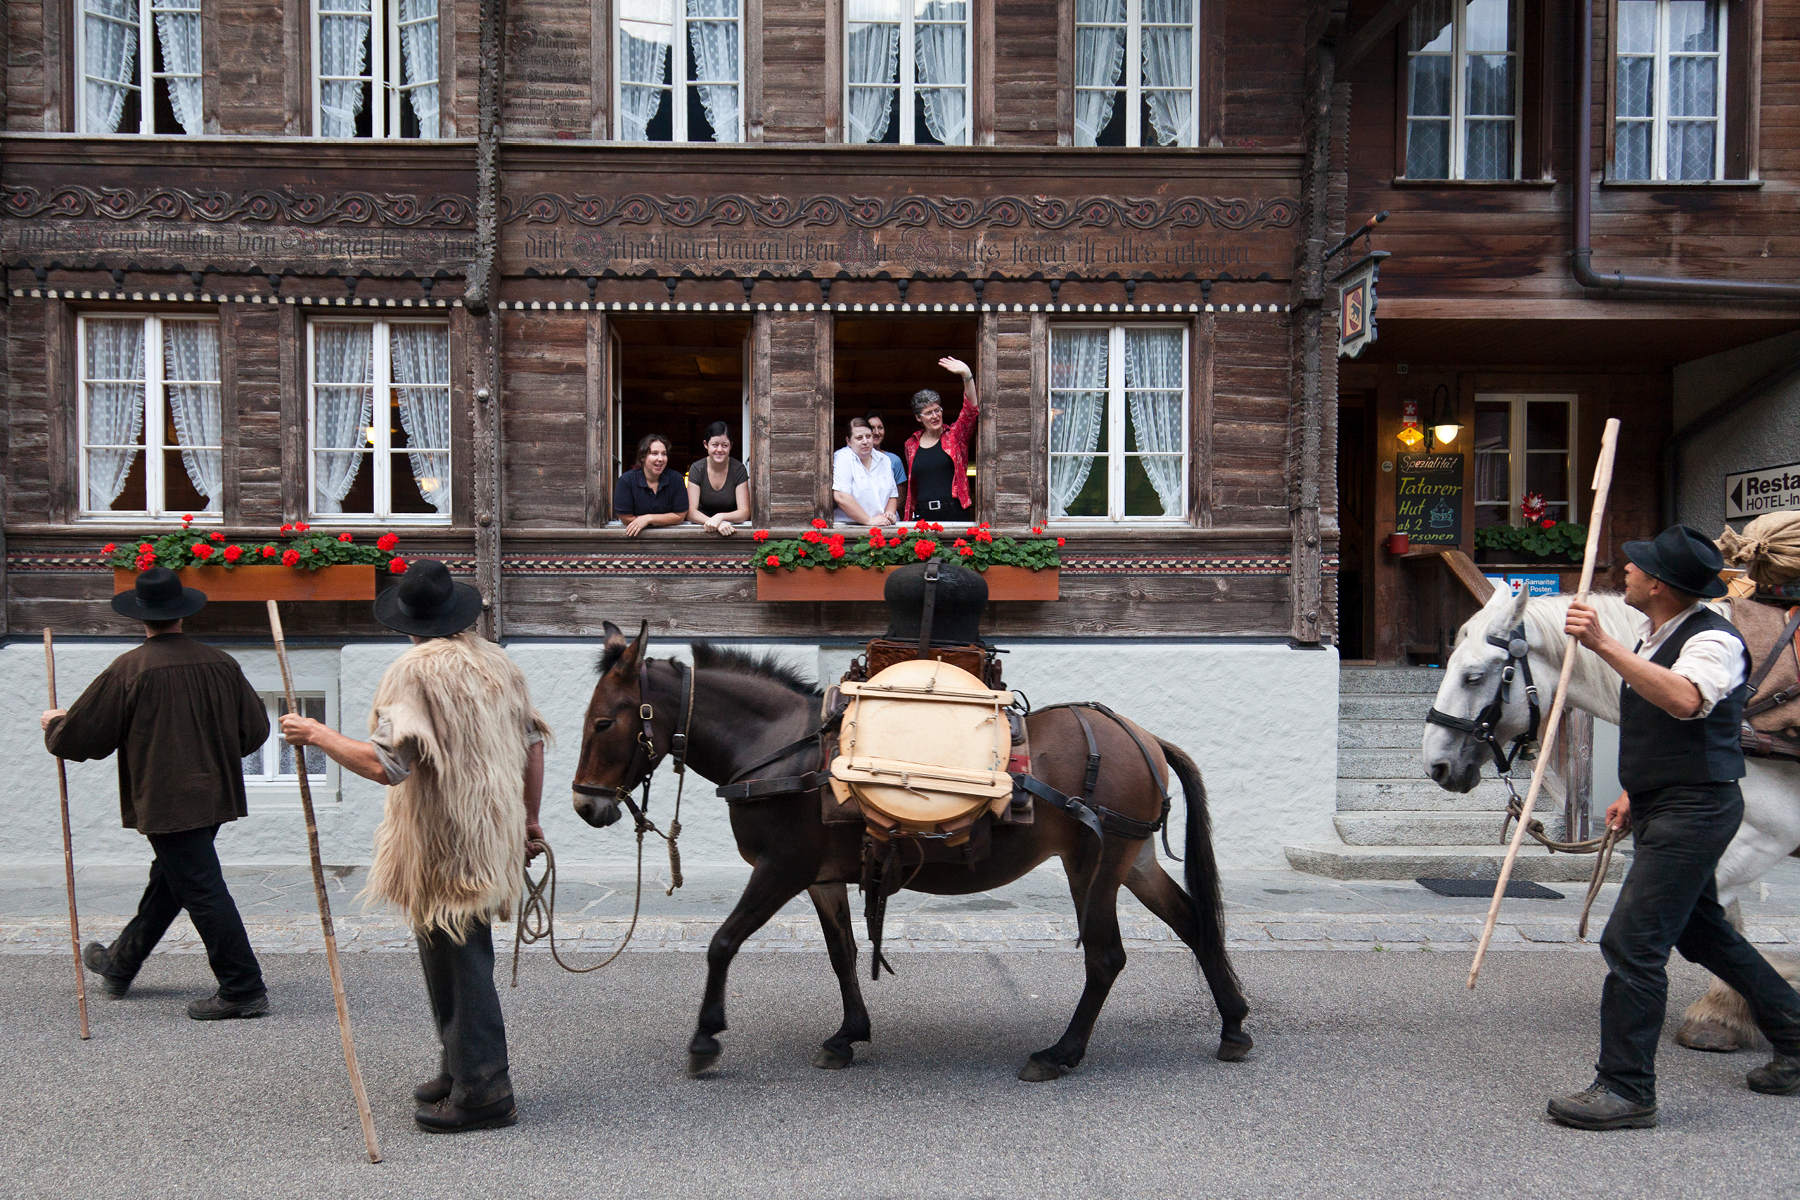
318, 873
1609, 444
62, 790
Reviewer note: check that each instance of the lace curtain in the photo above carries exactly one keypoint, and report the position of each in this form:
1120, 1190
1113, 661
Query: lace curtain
1078, 365
872, 67
644, 31
1154, 389
343, 406
110, 46
115, 406
343, 50
178, 34
940, 60
421, 356
191, 383
715, 46
1099, 62
1169, 63
419, 61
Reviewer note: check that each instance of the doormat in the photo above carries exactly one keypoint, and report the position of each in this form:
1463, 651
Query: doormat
1516, 889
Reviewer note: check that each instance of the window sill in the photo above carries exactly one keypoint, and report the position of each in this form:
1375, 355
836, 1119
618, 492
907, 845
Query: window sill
282, 797
139, 519
1400, 181
1663, 185
362, 520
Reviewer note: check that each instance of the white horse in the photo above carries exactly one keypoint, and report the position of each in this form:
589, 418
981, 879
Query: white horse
1720, 1020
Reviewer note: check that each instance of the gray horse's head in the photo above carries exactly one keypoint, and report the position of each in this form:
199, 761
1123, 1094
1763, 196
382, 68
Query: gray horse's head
1472, 677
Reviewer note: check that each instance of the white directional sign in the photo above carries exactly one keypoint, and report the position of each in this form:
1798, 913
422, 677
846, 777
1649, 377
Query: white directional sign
1753, 493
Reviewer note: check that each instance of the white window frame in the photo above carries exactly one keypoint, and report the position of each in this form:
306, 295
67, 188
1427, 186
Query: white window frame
384, 71
155, 414
147, 75
1517, 451
908, 85
381, 442
1132, 70
1117, 452
273, 791
679, 83
1659, 117
1458, 120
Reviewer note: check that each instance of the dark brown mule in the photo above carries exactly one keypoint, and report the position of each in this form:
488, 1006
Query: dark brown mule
745, 709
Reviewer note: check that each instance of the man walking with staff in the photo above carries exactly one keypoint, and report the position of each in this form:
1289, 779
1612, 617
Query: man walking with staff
181, 717
1680, 706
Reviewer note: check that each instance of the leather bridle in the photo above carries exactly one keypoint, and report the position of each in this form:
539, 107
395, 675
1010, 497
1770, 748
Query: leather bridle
645, 753
1483, 728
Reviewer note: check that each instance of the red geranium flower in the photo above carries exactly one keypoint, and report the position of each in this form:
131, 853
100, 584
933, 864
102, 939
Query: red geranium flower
387, 541
1037, 529
924, 548
233, 553
1546, 523
875, 539
837, 550
344, 537
772, 561
936, 528
965, 552
291, 557
984, 536
287, 528
812, 536
761, 535
397, 566
800, 551
820, 523
959, 543
109, 548
216, 536
301, 527
1059, 541
145, 548
202, 551
146, 561
269, 551
187, 518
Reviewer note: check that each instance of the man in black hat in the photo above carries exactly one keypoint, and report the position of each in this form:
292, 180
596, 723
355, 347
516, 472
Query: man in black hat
181, 717
460, 746
1680, 706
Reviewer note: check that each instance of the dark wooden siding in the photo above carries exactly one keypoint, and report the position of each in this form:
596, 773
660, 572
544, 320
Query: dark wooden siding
1250, 420
549, 68
1025, 48
794, 75
256, 334
248, 46
544, 427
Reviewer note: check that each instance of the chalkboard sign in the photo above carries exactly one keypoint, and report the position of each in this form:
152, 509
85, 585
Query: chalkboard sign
1429, 495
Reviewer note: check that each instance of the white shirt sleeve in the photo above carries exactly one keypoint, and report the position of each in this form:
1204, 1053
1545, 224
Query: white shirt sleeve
841, 480
1714, 662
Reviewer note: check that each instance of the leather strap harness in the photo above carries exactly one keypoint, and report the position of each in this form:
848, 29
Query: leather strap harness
1482, 728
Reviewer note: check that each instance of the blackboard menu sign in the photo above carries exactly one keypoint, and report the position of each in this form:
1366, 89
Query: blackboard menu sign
1429, 495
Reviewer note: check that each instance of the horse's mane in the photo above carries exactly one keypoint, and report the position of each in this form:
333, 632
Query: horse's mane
708, 657
1544, 617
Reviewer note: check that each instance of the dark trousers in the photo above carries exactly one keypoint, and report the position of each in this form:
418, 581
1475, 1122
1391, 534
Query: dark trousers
186, 874
459, 979
1669, 901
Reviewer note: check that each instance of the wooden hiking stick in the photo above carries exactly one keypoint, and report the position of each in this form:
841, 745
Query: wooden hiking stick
318, 873
62, 790
1609, 444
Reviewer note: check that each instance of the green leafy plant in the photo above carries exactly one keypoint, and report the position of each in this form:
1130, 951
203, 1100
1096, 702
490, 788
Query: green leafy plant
976, 547
300, 546
1546, 539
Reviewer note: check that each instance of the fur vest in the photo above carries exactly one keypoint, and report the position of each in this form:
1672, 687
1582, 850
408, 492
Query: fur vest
451, 846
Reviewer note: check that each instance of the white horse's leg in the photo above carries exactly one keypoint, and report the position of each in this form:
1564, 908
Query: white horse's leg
1720, 1020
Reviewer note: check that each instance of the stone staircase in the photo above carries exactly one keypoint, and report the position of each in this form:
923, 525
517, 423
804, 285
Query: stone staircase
1394, 822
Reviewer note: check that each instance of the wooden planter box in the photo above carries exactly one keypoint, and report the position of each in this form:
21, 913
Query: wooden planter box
271, 583
863, 583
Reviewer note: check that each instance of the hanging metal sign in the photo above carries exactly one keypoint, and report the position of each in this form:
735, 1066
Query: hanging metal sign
1356, 305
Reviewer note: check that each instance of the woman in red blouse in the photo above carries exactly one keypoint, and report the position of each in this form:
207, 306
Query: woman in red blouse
937, 456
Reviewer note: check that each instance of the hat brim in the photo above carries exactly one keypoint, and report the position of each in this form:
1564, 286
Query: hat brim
127, 604
1644, 555
464, 611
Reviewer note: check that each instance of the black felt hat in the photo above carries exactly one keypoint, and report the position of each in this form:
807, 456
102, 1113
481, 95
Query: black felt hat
956, 613
427, 602
158, 596
1683, 558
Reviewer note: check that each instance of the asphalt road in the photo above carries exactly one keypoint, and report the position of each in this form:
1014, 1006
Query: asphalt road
1374, 1075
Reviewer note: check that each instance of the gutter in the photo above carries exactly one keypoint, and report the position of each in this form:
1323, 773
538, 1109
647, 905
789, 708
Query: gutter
1581, 257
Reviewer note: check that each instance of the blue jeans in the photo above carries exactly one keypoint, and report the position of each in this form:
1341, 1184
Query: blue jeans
1670, 902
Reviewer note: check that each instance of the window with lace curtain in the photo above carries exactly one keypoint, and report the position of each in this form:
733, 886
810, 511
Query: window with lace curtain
375, 68
1462, 90
1669, 88
378, 420
680, 70
906, 72
139, 67
1118, 422
1137, 71
150, 416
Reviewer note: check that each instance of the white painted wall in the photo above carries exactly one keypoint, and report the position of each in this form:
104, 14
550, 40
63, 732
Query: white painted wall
1261, 720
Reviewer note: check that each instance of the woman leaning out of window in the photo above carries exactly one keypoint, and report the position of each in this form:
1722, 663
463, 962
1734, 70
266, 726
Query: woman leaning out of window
650, 494
937, 456
718, 486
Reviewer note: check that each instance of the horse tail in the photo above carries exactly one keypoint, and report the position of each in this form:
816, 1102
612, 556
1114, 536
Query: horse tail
1205, 899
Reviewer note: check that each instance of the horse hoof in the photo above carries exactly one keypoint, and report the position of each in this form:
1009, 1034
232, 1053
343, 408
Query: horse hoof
1233, 1049
699, 1063
1707, 1035
828, 1059
1037, 1070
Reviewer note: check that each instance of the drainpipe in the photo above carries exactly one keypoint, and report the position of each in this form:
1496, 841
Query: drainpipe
1580, 258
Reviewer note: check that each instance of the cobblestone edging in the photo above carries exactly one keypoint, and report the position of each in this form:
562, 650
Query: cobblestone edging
300, 934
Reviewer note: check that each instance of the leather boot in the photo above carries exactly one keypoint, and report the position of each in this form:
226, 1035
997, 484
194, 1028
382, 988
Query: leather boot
445, 1117
1598, 1108
433, 1090
1780, 1077
98, 961
217, 1008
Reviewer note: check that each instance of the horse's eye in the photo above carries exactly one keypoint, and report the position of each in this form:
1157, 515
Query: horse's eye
601, 724
1475, 676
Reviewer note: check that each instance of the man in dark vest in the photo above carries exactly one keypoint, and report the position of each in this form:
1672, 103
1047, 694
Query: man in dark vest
1680, 706
181, 717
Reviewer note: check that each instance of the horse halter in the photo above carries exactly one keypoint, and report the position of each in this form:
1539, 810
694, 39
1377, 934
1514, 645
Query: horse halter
645, 750
1482, 728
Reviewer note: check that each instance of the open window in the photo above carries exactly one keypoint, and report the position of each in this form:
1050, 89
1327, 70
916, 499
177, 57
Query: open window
907, 71
878, 364
674, 376
138, 63
375, 68
680, 71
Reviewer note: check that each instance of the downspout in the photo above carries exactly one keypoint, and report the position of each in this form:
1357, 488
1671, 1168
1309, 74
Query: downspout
1581, 257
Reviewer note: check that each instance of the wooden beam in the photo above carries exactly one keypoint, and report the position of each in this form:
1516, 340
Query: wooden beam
1372, 31
1468, 574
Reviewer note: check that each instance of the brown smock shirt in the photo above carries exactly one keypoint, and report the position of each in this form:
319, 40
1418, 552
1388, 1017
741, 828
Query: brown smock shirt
181, 716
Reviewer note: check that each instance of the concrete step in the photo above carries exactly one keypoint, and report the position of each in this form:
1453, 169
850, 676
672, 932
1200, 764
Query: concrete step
1394, 763
1390, 681
1360, 706
1380, 735
1413, 827
1421, 795
1449, 862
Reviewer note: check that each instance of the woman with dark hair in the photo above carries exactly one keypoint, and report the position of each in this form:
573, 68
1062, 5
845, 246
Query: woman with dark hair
650, 494
937, 456
718, 486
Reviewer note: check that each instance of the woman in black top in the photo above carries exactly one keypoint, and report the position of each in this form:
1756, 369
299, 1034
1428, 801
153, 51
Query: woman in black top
718, 486
650, 494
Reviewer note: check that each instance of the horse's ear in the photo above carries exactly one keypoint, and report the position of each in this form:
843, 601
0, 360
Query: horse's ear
614, 647
1508, 608
631, 655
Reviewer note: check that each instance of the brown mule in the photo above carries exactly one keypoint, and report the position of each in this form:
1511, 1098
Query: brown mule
744, 709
